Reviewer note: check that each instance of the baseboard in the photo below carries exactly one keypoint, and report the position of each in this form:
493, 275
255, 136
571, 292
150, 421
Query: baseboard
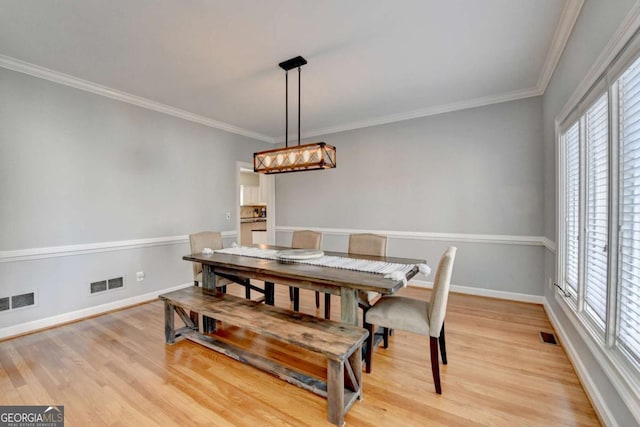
483, 292
597, 400
48, 322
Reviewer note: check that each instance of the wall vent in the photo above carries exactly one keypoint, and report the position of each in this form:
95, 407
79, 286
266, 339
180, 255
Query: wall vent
100, 286
118, 282
106, 285
17, 301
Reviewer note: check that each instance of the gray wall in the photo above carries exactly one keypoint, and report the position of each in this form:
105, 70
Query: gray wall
78, 168
596, 25
476, 171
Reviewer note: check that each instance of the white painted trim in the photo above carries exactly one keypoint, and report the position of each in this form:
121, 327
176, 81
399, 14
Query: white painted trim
75, 82
483, 292
567, 21
561, 35
622, 381
35, 325
88, 248
547, 243
441, 237
596, 398
423, 112
623, 34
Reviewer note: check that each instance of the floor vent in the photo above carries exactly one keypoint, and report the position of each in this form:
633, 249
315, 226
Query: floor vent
106, 285
548, 338
17, 301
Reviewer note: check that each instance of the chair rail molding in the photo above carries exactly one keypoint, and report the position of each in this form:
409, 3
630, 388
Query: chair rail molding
502, 239
88, 248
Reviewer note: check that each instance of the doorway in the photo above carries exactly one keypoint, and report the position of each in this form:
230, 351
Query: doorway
255, 206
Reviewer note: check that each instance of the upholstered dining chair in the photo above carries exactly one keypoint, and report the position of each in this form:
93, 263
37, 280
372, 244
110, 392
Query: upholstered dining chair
368, 244
213, 240
199, 241
307, 239
417, 316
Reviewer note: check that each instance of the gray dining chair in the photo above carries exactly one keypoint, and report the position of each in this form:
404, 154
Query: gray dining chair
307, 239
418, 316
199, 241
213, 240
368, 244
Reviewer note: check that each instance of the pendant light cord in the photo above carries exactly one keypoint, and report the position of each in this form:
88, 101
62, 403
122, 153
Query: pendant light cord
299, 106
286, 109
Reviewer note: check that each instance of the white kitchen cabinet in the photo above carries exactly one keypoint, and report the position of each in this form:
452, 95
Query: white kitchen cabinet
250, 195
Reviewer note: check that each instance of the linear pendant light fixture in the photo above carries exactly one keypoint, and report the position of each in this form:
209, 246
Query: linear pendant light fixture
317, 155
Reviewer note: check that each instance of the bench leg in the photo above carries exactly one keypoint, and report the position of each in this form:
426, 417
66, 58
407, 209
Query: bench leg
355, 360
169, 325
335, 392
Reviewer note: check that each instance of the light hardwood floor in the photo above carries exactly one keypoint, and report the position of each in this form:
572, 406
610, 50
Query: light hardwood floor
116, 369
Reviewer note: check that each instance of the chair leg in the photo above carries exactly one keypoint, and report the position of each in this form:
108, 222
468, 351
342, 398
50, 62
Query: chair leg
435, 368
327, 306
317, 299
296, 299
443, 346
290, 294
370, 339
385, 337
247, 289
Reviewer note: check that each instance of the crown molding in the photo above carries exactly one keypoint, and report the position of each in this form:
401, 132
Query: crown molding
423, 112
563, 30
85, 85
568, 19
620, 38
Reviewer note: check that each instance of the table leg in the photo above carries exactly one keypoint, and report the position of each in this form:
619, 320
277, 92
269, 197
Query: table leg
348, 306
209, 281
269, 293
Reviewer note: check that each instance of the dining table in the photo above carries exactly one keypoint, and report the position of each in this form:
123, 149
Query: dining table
344, 282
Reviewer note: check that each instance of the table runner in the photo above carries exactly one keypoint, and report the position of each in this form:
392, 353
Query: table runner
389, 269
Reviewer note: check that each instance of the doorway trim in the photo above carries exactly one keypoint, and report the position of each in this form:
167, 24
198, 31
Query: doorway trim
270, 188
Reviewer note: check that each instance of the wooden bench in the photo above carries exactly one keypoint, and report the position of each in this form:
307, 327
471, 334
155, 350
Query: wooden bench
340, 343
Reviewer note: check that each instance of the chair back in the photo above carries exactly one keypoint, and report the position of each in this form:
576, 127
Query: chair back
201, 240
368, 244
306, 239
440, 292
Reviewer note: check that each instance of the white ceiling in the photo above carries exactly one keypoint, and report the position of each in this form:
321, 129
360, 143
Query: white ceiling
370, 61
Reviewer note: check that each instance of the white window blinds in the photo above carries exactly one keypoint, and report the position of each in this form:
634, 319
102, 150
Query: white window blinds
628, 325
596, 125
572, 207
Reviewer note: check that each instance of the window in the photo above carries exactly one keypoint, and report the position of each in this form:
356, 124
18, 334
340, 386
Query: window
628, 319
596, 123
599, 250
572, 146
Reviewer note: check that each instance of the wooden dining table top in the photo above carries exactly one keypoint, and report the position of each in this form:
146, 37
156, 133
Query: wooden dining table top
299, 274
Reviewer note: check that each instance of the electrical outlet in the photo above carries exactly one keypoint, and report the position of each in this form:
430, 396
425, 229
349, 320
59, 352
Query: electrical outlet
139, 276
227, 215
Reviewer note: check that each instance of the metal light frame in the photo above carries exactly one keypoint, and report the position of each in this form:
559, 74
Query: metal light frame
314, 156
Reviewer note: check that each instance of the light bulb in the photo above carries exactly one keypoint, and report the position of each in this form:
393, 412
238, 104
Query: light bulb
306, 155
